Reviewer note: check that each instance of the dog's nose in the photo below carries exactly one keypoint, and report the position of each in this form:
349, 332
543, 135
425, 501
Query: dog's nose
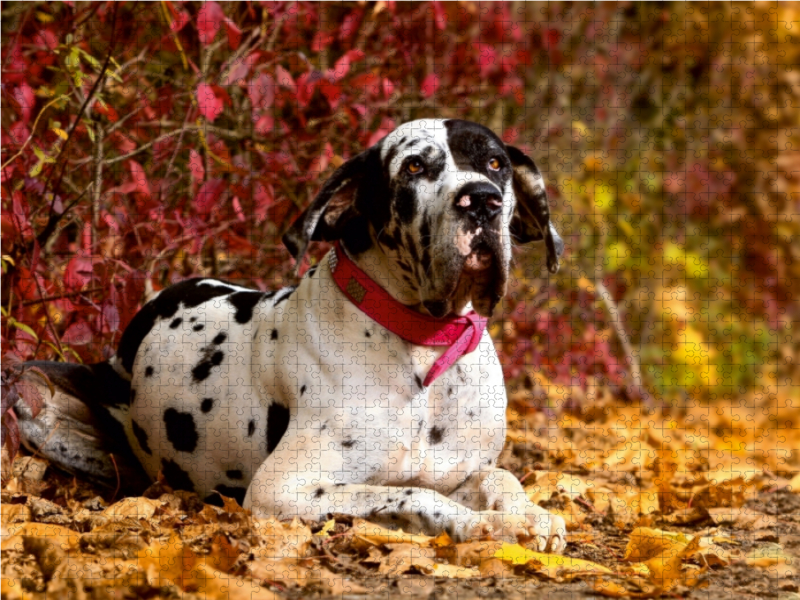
480, 200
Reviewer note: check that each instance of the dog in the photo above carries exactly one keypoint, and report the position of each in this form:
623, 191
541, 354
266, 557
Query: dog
371, 388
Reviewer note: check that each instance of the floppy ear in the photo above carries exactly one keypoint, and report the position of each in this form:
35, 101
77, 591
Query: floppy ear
334, 207
531, 220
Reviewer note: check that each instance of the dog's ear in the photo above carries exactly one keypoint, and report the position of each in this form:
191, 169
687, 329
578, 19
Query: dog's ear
531, 220
334, 207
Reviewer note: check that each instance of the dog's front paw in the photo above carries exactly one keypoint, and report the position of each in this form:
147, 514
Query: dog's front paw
548, 531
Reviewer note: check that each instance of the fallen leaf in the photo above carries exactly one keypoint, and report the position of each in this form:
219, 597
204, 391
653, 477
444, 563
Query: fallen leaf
132, 508
551, 565
772, 556
381, 535
281, 540
64, 538
742, 518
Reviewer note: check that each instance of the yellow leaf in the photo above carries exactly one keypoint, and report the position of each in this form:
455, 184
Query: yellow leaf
327, 528
65, 538
380, 535
551, 565
60, 133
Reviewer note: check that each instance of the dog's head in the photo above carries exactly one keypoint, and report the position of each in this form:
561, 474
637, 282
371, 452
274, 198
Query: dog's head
441, 201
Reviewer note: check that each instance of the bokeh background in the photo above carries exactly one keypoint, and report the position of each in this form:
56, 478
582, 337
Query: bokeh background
148, 142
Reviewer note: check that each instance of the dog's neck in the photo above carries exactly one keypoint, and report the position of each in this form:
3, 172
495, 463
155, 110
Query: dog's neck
383, 270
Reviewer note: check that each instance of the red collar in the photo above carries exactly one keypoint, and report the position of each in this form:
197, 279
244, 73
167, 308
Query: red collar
462, 334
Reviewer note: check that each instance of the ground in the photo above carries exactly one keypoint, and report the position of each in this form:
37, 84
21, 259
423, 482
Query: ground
731, 536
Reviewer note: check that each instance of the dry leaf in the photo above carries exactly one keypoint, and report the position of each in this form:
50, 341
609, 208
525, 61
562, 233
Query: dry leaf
14, 513
742, 518
662, 552
794, 484
281, 540
132, 508
381, 535
772, 556
64, 538
551, 565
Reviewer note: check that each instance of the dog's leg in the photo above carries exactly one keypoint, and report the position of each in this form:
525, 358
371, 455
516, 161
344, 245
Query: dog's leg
414, 508
82, 425
499, 491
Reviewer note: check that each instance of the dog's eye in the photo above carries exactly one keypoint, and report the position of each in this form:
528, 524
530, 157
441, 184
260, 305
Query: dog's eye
414, 167
494, 164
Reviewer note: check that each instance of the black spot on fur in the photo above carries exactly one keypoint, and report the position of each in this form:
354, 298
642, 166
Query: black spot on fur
277, 423
236, 492
133, 396
349, 443
193, 319
405, 205
367, 333
207, 404
302, 390
312, 271
274, 335
418, 379
435, 435
251, 428
402, 504
319, 493
176, 323
244, 302
181, 430
198, 327
141, 437
176, 478
148, 372
209, 358
409, 492
234, 474
219, 338
188, 294
339, 484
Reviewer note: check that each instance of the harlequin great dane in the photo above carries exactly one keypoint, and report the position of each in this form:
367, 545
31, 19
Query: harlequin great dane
371, 388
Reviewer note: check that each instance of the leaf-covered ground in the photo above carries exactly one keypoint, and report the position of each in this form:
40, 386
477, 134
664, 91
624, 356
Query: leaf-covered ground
703, 505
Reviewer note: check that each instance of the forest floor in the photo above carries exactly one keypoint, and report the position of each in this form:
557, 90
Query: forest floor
680, 507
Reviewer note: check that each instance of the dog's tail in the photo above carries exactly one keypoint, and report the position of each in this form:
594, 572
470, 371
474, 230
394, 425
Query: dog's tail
82, 427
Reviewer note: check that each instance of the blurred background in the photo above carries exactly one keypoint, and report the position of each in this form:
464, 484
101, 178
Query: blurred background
148, 142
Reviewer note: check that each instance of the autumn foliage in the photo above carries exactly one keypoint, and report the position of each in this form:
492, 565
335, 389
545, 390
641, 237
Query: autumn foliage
143, 143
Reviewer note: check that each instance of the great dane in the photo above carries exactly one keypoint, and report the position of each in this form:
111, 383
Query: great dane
371, 388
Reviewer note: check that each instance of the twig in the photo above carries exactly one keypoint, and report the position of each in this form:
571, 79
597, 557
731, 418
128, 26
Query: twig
33, 129
62, 296
98, 184
53, 220
619, 329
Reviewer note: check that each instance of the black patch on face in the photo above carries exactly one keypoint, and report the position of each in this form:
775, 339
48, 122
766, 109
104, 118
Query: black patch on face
473, 145
418, 380
187, 293
319, 492
284, 294
148, 372
405, 205
133, 396
219, 338
244, 302
274, 335
251, 428
175, 323
277, 424
229, 491
436, 435
198, 327
193, 319
176, 478
181, 430
141, 437
234, 474
349, 443
207, 404
312, 271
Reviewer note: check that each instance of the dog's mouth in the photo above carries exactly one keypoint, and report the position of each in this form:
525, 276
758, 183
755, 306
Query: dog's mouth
478, 278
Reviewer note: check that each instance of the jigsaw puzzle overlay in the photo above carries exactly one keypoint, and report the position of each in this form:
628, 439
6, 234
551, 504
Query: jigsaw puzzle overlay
362, 299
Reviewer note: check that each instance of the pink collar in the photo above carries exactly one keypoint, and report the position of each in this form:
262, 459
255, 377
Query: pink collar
462, 334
